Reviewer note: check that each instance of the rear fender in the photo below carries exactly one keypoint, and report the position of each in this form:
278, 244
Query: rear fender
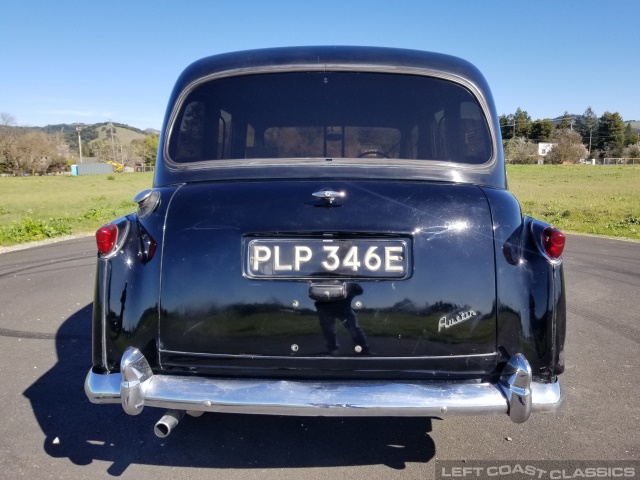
552, 331
530, 290
126, 305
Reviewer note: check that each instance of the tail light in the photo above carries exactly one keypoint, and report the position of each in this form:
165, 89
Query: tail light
107, 238
553, 241
548, 240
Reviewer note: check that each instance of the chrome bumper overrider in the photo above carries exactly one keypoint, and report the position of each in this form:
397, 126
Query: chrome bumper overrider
136, 387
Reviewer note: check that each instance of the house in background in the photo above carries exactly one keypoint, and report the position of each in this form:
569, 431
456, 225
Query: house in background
543, 149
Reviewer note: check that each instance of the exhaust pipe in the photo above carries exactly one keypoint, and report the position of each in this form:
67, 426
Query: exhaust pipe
168, 422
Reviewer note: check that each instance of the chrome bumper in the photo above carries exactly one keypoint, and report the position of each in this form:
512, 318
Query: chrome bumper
136, 387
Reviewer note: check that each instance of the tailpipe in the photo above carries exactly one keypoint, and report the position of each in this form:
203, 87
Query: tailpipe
168, 422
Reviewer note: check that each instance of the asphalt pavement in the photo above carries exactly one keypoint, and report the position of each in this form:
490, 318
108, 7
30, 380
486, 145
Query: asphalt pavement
49, 430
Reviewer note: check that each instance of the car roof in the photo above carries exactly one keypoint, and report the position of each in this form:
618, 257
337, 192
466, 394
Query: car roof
386, 59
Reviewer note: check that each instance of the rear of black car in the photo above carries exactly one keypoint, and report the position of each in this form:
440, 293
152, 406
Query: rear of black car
332, 237
262, 275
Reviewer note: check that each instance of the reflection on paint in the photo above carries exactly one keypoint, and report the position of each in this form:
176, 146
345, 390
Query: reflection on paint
455, 226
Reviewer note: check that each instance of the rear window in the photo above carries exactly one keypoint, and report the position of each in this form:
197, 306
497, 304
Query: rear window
330, 115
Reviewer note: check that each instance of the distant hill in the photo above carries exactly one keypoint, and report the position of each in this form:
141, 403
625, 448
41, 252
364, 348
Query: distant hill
122, 133
573, 116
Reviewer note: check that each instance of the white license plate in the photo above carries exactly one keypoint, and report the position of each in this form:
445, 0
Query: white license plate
318, 258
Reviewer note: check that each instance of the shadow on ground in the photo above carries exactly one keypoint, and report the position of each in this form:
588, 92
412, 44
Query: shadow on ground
83, 432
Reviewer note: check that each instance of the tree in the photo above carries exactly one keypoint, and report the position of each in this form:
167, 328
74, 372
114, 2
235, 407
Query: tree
130, 155
632, 152
567, 148
147, 148
587, 125
523, 123
7, 120
506, 126
541, 130
520, 150
611, 134
101, 150
8, 152
150, 151
28, 150
518, 123
629, 137
566, 122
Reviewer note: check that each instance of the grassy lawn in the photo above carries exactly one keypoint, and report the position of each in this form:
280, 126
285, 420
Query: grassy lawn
35, 208
596, 199
580, 198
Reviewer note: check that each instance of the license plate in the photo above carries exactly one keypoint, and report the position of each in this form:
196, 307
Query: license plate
320, 258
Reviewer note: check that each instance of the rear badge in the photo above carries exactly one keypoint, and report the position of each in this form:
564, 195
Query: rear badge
445, 322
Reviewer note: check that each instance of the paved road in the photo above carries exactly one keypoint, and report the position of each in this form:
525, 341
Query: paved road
49, 430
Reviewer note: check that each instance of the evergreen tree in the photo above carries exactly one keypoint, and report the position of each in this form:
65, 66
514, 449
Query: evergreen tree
566, 122
611, 134
523, 123
541, 130
506, 126
629, 137
588, 127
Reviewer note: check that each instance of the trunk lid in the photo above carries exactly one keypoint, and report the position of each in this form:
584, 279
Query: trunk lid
243, 274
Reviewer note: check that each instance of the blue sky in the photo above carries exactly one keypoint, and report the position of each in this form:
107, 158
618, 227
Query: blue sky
64, 62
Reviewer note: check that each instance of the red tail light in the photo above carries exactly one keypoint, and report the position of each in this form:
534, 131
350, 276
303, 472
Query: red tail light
553, 241
106, 238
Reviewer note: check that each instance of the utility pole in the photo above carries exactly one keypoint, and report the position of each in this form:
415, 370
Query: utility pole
78, 129
512, 125
113, 150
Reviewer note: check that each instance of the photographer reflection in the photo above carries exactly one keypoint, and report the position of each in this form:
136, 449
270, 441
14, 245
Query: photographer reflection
340, 309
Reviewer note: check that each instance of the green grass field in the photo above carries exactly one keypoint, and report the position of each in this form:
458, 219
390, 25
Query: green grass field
35, 208
578, 198
603, 200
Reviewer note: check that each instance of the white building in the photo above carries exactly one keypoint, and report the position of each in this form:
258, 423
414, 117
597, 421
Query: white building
544, 148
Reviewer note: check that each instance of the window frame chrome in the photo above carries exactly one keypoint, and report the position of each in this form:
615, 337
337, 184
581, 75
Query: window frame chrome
332, 67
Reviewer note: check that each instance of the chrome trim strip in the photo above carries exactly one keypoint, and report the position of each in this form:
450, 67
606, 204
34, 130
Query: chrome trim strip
162, 257
316, 398
425, 72
103, 313
106, 266
162, 352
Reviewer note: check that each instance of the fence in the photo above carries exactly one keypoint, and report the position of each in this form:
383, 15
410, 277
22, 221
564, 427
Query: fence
621, 161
